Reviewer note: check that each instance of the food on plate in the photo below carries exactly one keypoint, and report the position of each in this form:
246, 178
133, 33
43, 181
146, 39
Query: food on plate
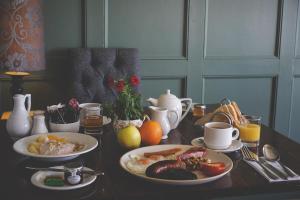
139, 164
176, 174
151, 132
164, 165
175, 164
213, 169
54, 181
230, 109
194, 152
53, 145
163, 153
129, 137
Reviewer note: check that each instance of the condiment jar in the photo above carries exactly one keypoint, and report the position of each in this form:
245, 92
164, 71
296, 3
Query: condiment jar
73, 174
199, 110
39, 126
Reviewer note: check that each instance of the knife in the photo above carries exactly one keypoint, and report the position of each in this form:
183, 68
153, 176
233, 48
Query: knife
273, 169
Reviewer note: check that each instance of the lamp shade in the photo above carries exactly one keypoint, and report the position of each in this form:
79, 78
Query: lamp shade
21, 35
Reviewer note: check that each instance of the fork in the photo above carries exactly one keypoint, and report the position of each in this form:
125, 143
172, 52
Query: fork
250, 156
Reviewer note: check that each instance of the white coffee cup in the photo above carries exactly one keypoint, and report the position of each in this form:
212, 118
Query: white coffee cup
218, 135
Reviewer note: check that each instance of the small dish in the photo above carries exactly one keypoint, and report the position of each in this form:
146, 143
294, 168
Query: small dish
106, 120
38, 178
235, 145
69, 127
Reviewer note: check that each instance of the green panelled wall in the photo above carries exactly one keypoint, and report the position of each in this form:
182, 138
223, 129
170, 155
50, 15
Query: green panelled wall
248, 51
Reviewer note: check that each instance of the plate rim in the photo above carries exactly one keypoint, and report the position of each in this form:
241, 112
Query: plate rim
218, 150
175, 182
71, 187
54, 156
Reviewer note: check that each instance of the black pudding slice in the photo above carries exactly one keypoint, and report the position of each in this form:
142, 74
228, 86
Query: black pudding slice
176, 174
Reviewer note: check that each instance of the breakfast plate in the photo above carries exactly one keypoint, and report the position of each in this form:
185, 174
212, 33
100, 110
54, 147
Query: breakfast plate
38, 179
235, 145
87, 142
125, 160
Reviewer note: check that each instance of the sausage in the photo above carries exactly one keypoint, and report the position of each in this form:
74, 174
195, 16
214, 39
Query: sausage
194, 152
164, 165
176, 174
163, 153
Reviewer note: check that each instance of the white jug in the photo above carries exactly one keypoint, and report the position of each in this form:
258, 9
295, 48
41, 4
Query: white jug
160, 115
173, 104
18, 124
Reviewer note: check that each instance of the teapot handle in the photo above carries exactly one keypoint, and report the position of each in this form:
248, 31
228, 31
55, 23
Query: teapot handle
28, 96
188, 108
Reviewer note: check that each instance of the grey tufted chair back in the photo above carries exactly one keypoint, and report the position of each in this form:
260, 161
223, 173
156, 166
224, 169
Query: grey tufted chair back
91, 68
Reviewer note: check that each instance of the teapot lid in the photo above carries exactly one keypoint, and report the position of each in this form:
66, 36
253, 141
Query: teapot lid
168, 95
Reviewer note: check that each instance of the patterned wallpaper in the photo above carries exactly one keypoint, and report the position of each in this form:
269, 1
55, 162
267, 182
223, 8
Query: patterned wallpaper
21, 35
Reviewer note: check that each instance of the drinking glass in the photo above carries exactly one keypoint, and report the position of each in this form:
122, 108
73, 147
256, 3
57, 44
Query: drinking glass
250, 132
93, 120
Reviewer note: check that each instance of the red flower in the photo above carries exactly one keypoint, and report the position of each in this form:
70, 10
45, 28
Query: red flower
110, 82
74, 103
134, 80
120, 85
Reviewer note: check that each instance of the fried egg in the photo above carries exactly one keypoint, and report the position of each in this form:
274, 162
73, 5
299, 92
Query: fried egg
138, 164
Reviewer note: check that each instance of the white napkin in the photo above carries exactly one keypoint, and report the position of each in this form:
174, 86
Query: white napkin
260, 170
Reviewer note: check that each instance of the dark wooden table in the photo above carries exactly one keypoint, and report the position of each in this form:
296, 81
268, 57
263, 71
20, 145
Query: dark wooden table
242, 181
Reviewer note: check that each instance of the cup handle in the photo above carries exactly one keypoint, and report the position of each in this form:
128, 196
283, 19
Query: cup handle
237, 133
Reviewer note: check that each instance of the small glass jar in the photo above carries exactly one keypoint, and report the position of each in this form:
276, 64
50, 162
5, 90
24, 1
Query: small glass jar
199, 110
73, 174
93, 120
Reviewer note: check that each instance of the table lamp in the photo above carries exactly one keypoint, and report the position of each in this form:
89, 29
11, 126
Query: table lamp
21, 40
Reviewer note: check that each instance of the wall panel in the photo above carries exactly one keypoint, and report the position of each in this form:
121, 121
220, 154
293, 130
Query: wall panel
155, 86
294, 124
239, 28
63, 24
158, 27
253, 94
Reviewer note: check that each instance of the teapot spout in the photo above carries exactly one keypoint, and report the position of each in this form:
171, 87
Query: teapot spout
152, 101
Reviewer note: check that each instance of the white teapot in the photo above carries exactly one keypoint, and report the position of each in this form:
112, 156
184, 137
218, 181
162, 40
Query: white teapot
173, 104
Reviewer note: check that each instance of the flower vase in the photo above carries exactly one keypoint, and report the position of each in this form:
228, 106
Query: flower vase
119, 124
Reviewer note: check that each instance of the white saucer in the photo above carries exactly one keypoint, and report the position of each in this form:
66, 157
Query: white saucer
235, 145
38, 178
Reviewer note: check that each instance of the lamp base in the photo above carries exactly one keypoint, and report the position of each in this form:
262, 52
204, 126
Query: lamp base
17, 81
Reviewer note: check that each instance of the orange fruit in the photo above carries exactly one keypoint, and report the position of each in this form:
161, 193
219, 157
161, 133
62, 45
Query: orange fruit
151, 133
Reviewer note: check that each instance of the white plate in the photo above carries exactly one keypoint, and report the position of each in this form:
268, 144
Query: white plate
212, 155
235, 145
89, 143
38, 178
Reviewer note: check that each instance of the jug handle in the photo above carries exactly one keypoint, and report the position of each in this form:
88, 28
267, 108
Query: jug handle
28, 96
188, 108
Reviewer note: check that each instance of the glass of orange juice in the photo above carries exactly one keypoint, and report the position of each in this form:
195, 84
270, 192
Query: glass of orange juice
250, 131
